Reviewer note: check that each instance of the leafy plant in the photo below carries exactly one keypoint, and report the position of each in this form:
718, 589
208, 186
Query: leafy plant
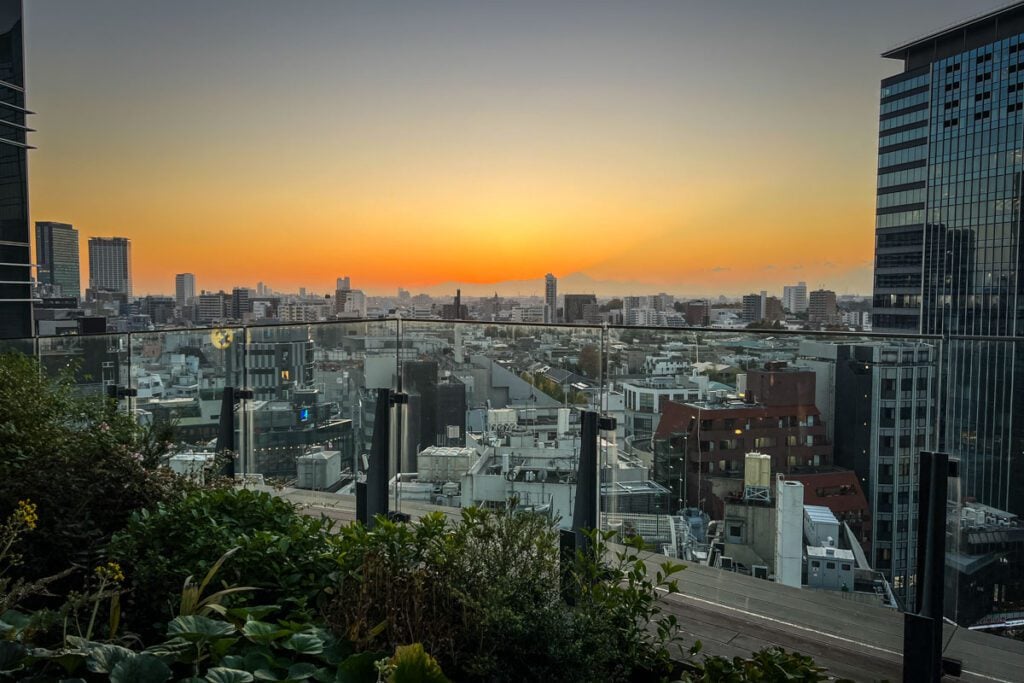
78, 459
289, 557
192, 599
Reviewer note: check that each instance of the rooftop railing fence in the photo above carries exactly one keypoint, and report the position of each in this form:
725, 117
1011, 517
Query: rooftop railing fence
493, 413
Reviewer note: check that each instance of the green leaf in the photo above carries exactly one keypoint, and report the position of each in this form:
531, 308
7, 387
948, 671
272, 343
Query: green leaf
262, 632
219, 674
304, 643
413, 665
195, 628
103, 658
11, 656
141, 668
360, 668
301, 671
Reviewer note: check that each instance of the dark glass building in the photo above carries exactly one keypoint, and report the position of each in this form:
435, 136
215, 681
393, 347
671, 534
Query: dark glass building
948, 254
57, 257
15, 251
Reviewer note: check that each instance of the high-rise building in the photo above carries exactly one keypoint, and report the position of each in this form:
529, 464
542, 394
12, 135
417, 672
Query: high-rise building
753, 308
57, 257
948, 255
822, 308
344, 283
15, 252
575, 305
879, 400
184, 288
110, 265
794, 297
550, 298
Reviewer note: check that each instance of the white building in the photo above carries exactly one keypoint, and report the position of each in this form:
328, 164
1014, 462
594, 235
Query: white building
794, 298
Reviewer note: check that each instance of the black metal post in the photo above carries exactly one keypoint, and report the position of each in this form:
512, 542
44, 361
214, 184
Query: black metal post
922, 628
226, 429
377, 472
585, 511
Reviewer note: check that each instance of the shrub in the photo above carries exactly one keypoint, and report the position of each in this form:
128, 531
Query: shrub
483, 596
287, 556
81, 462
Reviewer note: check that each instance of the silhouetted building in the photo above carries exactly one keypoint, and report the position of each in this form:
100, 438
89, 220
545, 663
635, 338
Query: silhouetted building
575, 307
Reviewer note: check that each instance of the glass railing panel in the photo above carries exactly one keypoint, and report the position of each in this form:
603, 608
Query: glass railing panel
179, 380
495, 411
310, 421
983, 428
843, 414
23, 346
97, 364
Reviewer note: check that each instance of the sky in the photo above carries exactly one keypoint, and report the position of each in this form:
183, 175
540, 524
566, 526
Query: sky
689, 147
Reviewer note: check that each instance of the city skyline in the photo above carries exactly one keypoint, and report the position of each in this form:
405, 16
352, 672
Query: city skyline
625, 141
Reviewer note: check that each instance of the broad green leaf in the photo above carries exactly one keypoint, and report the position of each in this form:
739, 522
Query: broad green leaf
103, 658
301, 671
360, 668
11, 656
219, 674
194, 628
141, 668
304, 643
262, 632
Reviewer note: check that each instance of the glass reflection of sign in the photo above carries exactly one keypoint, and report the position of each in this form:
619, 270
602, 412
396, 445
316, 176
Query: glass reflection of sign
304, 415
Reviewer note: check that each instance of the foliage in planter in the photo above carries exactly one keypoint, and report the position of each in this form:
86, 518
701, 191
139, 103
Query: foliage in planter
771, 665
238, 649
85, 465
483, 596
287, 556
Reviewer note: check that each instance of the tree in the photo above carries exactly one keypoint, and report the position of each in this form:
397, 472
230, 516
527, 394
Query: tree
590, 361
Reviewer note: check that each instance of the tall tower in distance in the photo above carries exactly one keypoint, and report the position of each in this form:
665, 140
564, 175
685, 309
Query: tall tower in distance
15, 251
185, 288
550, 298
57, 257
110, 265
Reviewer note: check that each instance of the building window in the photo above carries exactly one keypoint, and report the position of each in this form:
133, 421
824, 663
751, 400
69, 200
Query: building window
830, 565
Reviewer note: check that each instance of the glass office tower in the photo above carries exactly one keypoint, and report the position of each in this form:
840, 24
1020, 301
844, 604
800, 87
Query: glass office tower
57, 257
948, 258
15, 256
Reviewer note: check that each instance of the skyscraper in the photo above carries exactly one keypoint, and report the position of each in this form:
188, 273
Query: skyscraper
15, 256
550, 298
185, 288
110, 264
948, 252
57, 257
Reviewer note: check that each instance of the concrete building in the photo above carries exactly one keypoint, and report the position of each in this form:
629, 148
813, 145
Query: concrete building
794, 298
753, 307
550, 298
184, 288
110, 265
883, 397
575, 310
822, 307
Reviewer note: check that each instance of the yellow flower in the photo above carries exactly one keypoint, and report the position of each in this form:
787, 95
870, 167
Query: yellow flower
26, 514
111, 571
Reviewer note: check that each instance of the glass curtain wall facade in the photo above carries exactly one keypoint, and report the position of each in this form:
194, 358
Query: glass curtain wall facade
57, 257
15, 256
948, 257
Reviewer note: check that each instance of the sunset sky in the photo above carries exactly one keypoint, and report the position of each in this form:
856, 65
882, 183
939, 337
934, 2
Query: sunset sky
691, 147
